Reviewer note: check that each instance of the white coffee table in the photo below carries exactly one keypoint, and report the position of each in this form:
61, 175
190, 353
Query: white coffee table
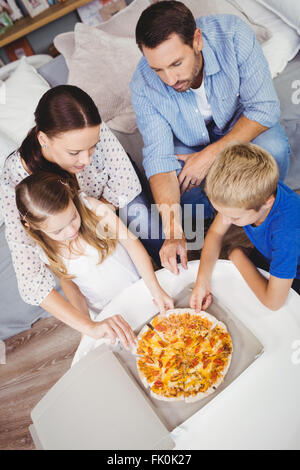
261, 409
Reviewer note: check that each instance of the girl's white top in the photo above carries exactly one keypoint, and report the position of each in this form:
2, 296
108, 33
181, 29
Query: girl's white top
110, 174
100, 282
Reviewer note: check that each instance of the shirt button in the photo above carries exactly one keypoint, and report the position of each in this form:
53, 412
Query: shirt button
196, 110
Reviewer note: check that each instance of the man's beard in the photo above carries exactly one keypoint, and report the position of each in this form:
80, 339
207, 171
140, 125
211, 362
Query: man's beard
196, 78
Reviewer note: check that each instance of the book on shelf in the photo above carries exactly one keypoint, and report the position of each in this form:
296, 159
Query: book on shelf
54, 2
22, 7
35, 7
5, 22
11, 9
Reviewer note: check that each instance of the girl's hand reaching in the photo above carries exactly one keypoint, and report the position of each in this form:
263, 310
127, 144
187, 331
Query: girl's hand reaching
114, 328
163, 301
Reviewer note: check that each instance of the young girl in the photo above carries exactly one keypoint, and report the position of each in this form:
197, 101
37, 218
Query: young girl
68, 138
88, 248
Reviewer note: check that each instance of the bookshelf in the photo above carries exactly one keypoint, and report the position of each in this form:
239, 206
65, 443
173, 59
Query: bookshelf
27, 24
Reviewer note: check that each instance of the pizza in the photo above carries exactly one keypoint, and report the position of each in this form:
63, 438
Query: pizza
188, 359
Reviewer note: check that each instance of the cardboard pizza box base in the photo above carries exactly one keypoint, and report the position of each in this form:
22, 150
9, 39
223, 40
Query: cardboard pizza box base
100, 403
246, 350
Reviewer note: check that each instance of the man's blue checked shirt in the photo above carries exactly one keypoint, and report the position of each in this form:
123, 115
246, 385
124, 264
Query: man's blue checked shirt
237, 81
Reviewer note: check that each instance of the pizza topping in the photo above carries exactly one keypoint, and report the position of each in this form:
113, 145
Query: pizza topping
205, 363
218, 361
193, 359
194, 362
149, 359
188, 341
161, 327
158, 384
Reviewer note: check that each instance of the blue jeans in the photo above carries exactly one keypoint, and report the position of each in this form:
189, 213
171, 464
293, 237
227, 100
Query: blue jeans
274, 140
142, 219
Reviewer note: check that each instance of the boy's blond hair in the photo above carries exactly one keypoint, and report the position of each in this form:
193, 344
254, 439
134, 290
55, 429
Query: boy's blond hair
242, 176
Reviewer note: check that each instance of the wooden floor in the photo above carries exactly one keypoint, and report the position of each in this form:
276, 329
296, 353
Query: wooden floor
35, 360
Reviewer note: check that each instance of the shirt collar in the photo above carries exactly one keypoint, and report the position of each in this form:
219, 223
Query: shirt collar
211, 64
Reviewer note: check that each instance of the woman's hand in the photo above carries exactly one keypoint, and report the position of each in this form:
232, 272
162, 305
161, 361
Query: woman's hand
201, 297
114, 328
163, 301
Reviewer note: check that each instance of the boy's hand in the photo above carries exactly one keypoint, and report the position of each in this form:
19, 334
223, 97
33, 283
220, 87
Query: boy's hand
201, 297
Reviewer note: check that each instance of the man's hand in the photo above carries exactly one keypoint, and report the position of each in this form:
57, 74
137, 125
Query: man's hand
169, 251
201, 297
196, 168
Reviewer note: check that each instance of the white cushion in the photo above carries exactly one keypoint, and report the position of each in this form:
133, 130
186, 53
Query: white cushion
37, 61
122, 24
7, 145
213, 7
65, 44
23, 89
284, 42
287, 10
102, 65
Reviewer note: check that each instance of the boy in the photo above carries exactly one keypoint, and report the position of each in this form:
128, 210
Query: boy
243, 186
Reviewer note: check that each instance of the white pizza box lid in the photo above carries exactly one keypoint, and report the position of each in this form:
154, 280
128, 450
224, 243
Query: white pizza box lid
96, 405
100, 402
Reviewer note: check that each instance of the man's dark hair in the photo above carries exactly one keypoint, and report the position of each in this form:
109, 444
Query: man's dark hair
159, 21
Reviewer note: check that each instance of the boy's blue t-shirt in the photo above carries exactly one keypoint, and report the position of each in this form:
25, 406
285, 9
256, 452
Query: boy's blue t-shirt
278, 237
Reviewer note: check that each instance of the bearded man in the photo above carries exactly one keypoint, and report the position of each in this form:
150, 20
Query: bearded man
200, 85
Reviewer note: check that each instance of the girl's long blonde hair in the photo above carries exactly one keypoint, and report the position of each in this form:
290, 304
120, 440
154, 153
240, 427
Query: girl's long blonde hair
43, 194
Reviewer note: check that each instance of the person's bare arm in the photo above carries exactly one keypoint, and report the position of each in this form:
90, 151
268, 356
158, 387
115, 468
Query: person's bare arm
201, 296
113, 327
118, 230
198, 164
73, 294
60, 308
271, 292
166, 194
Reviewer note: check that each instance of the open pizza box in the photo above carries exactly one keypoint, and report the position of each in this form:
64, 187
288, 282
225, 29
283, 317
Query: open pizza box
100, 403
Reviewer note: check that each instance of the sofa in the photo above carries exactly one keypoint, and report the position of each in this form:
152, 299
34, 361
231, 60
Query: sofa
117, 55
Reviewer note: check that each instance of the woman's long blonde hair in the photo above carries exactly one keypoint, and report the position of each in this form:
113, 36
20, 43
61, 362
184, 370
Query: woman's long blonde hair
43, 194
